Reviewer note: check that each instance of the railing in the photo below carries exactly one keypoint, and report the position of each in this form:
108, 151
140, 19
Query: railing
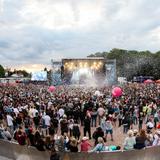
17, 152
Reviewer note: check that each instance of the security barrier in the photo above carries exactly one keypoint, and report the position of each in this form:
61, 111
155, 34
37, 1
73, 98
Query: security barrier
17, 152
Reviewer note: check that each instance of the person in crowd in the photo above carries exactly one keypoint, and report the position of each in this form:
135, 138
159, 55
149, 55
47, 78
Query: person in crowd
21, 136
54, 155
94, 117
140, 121
135, 133
100, 146
126, 122
60, 144
47, 123
129, 141
109, 128
31, 137
156, 119
112, 148
40, 144
70, 126
36, 120
98, 133
76, 130
103, 123
49, 143
10, 122
156, 141
149, 125
87, 126
141, 140
73, 145
64, 125
101, 112
120, 117
55, 123
85, 145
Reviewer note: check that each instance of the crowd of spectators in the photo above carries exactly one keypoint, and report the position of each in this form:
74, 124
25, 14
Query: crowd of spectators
80, 118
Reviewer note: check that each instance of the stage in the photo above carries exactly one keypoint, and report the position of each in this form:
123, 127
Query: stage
84, 71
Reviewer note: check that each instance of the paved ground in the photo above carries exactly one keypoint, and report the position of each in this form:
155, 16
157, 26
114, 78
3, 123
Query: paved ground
118, 136
3, 158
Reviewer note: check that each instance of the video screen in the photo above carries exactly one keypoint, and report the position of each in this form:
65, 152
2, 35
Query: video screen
39, 76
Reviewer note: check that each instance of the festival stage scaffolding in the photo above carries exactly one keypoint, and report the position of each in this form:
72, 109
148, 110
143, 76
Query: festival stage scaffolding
83, 70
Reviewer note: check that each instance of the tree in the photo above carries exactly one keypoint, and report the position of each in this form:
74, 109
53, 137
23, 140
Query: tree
133, 63
2, 72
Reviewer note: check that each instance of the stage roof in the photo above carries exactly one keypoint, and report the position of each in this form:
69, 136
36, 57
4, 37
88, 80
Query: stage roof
88, 58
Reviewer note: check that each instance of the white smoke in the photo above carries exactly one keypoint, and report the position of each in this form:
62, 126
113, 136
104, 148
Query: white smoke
84, 76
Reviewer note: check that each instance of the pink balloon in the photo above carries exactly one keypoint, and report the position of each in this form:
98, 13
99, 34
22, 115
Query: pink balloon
52, 88
148, 81
116, 92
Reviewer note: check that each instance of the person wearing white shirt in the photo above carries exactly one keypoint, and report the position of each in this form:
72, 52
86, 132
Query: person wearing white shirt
156, 141
34, 111
150, 125
47, 123
61, 112
16, 111
47, 120
10, 122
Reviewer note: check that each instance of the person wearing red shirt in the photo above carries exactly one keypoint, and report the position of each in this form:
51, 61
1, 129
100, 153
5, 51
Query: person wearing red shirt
85, 145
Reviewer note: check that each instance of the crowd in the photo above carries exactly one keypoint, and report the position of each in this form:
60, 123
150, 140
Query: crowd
80, 118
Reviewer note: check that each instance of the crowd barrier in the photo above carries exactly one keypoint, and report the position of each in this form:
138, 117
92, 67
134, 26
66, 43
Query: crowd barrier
17, 152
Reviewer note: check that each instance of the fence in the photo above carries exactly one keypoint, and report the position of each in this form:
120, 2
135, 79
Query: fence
17, 152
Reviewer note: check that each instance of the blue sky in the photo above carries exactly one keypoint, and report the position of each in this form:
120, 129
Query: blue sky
34, 31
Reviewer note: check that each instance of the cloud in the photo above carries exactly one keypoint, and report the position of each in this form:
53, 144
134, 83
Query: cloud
36, 31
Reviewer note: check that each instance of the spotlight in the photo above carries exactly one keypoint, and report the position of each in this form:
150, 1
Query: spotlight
70, 67
85, 65
80, 64
92, 67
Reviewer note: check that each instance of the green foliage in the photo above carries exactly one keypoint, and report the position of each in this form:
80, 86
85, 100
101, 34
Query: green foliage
134, 63
21, 72
2, 72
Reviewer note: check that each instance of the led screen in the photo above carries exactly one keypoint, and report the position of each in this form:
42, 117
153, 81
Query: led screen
39, 76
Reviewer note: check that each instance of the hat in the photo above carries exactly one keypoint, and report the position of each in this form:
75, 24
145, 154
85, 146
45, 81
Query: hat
84, 138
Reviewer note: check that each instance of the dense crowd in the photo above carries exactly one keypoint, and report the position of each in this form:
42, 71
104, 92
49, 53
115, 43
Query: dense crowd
80, 118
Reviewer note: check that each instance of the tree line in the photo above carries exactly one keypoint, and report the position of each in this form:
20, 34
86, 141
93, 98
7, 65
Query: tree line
7, 72
132, 63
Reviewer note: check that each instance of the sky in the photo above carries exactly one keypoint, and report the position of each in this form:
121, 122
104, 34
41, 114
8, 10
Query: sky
32, 32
